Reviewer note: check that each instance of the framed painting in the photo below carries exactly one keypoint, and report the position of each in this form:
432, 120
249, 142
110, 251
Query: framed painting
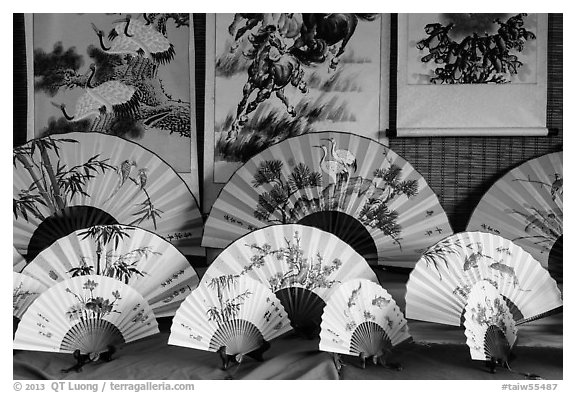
273, 76
130, 75
472, 74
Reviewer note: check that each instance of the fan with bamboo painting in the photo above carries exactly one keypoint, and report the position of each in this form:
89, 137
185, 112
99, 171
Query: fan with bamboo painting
139, 258
439, 285
526, 206
234, 316
302, 265
490, 328
89, 316
67, 182
25, 290
362, 319
351, 186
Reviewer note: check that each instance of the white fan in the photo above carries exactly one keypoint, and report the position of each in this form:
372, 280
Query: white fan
233, 316
72, 181
88, 313
438, 287
18, 261
302, 265
351, 186
490, 328
141, 259
526, 206
362, 319
25, 290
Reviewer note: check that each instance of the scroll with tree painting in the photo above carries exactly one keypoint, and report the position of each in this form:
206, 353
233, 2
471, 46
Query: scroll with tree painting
121, 74
273, 76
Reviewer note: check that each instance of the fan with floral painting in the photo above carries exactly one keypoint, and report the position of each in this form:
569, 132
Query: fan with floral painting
137, 257
25, 290
72, 181
302, 265
351, 186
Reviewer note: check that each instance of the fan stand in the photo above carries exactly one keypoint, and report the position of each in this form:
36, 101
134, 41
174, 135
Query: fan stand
256, 354
82, 360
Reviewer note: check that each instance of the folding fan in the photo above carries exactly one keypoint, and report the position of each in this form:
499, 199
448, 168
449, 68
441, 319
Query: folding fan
25, 290
438, 287
351, 186
526, 207
361, 318
73, 181
300, 264
139, 258
18, 261
490, 328
88, 313
232, 315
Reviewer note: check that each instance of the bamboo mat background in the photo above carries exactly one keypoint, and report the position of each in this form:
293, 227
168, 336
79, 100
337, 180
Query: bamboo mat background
459, 169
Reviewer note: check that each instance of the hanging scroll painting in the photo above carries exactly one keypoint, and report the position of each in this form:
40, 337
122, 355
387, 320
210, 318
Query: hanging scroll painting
273, 76
129, 75
472, 74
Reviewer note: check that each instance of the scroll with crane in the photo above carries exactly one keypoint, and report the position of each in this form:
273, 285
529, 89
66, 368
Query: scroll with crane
274, 76
129, 75
472, 74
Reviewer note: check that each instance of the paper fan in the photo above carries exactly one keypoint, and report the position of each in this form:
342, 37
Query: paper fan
18, 261
234, 316
490, 328
361, 318
300, 264
88, 313
67, 182
25, 290
526, 207
351, 186
139, 258
441, 281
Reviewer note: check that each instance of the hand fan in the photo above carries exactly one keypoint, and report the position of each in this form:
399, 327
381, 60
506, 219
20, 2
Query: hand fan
141, 259
361, 318
18, 261
88, 313
25, 290
231, 315
351, 186
300, 264
526, 207
73, 181
490, 328
441, 281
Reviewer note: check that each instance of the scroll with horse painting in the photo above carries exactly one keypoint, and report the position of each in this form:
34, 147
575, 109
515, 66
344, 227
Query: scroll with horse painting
121, 74
273, 76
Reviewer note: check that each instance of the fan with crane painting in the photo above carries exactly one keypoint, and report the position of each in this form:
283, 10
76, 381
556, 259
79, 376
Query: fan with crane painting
362, 319
351, 186
489, 325
234, 316
302, 265
89, 316
439, 285
139, 258
525, 206
72, 181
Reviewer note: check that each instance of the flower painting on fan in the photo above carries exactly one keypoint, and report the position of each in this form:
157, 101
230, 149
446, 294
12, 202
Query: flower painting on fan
20, 295
120, 74
89, 306
286, 74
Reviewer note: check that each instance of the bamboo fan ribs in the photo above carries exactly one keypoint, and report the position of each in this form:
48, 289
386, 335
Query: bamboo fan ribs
439, 285
89, 314
73, 181
302, 265
351, 186
526, 206
362, 319
139, 258
234, 316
